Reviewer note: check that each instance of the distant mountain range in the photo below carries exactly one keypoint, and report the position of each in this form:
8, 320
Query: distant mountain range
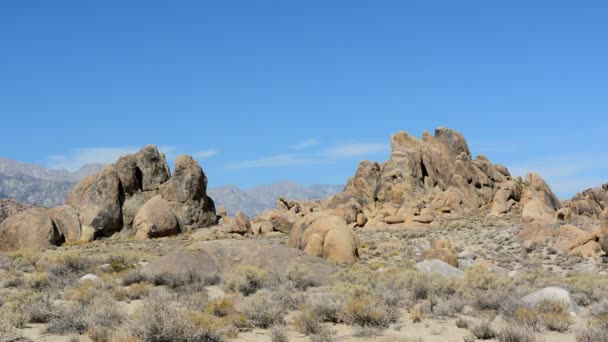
42, 186
254, 201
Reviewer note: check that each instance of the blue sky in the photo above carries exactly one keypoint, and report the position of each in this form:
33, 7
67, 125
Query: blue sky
262, 91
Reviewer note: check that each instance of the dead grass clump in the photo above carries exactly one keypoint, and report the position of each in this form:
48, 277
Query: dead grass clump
99, 319
162, 320
188, 281
551, 315
367, 311
278, 333
8, 333
593, 333
246, 280
307, 321
483, 330
263, 309
67, 269
463, 323
133, 277
516, 333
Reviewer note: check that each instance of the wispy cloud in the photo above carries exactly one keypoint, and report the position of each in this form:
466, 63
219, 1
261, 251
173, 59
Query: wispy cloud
77, 158
205, 153
305, 144
566, 174
357, 150
280, 160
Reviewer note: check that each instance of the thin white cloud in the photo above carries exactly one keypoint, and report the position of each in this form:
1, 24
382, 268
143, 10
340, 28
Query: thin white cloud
80, 157
92, 155
280, 160
566, 174
357, 150
205, 153
305, 144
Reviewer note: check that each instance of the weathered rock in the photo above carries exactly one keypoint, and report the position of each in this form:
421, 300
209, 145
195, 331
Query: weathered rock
240, 224
423, 218
90, 278
155, 219
439, 267
10, 207
339, 241
216, 258
283, 222
153, 167
97, 198
588, 249
186, 191
591, 203
129, 174
262, 227
536, 232
394, 219
29, 229
504, 199
67, 222
361, 220
570, 237
536, 211
551, 294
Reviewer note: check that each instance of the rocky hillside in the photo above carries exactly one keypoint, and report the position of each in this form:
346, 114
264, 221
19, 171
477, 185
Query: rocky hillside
253, 201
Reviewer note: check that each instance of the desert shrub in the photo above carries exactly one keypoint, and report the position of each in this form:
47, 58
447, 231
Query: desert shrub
67, 269
37, 281
326, 334
12, 280
8, 333
552, 315
587, 288
138, 291
278, 333
162, 320
449, 308
299, 278
84, 292
289, 297
246, 279
132, 277
483, 330
327, 306
516, 333
262, 309
308, 321
188, 281
486, 290
98, 319
416, 315
119, 263
463, 323
26, 308
366, 311
592, 333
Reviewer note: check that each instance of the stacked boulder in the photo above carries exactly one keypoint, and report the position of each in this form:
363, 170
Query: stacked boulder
435, 175
592, 203
137, 195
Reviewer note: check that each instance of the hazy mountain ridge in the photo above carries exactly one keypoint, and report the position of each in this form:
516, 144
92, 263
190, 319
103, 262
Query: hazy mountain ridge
39, 185
253, 201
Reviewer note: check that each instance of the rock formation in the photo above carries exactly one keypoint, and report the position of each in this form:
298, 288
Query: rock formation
136, 195
591, 203
435, 175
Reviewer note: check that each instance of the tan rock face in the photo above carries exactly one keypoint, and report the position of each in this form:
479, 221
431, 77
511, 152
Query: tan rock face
570, 237
29, 229
591, 202
155, 219
536, 211
67, 222
98, 200
329, 236
240, 224
153, 168
10, 207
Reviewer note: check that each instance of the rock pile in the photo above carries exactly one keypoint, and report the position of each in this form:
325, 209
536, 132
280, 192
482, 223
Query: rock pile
137, 195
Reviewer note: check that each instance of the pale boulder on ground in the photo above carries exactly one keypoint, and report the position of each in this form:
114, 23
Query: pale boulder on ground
240, 224
338, 241
30, 229
551, 294
439, 267
155, 219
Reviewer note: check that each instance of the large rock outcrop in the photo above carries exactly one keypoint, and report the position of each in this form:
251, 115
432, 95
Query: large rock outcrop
113, 199
216, 258
31, 229
591, 203
428, 177
10, 207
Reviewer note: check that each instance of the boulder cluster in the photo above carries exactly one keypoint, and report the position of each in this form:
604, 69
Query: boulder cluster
137, 196
435, 175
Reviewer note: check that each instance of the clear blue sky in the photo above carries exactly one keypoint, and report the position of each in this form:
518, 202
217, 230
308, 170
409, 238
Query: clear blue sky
263, 91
